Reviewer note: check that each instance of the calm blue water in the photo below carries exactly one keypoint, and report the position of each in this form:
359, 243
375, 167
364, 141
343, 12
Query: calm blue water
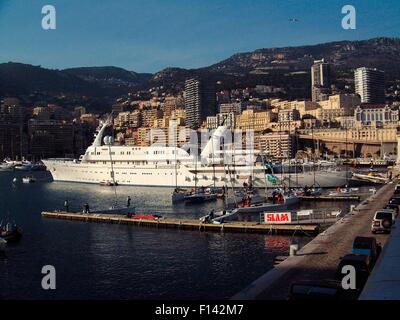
102, 261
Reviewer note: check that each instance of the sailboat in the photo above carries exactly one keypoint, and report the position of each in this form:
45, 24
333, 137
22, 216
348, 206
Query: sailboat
6, 166
202, 194
2, 245
114, 209
24, 166
282, 200
179, 194
10, 232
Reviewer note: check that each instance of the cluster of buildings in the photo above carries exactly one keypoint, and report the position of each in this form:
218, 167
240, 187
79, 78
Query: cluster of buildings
43, 131
277, 125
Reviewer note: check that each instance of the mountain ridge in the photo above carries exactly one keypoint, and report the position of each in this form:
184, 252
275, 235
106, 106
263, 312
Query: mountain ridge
284, 67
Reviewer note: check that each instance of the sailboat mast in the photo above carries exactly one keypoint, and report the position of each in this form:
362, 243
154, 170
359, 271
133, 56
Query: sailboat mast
265, 176
112, 168
212, 156
195, 174
288, 153
313, 151
175, 150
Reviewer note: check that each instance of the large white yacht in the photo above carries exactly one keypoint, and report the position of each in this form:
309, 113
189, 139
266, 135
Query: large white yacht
175, 167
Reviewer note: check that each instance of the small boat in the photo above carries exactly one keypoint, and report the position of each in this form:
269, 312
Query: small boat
179, 195
370, 177
283, 202
38, 167
200, 197
222, 216
2, 245
245, 195
313, 191
10, 232
343, 191
6, 167
24, 166
108, 183
28, 179
141, 216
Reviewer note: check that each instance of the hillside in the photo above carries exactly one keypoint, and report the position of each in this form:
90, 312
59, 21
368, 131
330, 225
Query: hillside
382, 53
287, 68
23, 79
18, 78
109, 77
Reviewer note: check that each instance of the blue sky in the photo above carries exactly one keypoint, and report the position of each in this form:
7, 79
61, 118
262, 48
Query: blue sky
149, 35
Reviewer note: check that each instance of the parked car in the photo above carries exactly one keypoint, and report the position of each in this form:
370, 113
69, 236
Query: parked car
394, 201
320, 290
383, 221
362, 265
367, 246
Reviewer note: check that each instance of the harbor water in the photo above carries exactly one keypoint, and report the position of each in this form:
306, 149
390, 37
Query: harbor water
105, 261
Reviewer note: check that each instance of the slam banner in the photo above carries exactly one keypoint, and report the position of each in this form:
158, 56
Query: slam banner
276, 218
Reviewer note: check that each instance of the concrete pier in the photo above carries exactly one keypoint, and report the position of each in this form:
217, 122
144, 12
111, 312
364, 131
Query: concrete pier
318, 260
186, 224
331, 198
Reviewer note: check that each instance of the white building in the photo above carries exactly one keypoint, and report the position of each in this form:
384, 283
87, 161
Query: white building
370, 85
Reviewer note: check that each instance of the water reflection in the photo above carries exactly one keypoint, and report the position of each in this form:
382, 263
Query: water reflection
99, 261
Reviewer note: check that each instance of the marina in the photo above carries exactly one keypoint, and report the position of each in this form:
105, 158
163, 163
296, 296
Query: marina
179, 222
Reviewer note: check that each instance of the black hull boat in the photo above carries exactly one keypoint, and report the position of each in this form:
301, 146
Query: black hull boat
10, 233
12, 237
200, 198
3, 244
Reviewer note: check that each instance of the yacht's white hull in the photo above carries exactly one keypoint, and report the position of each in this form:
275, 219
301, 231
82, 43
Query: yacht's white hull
323, 179
165, 176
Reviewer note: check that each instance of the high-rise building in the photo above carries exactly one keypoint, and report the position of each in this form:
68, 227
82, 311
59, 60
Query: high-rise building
320, 80
370, 85
200, 101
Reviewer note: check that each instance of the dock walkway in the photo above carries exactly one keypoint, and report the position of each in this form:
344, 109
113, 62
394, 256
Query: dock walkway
319, 258
327, 197
187, 224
